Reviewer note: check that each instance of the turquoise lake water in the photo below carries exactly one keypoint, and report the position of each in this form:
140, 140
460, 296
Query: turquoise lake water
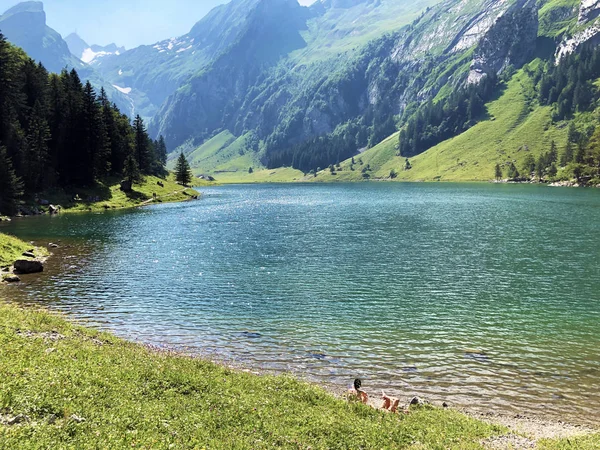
484, 296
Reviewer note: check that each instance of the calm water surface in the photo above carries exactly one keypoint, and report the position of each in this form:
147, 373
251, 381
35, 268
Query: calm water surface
479, 295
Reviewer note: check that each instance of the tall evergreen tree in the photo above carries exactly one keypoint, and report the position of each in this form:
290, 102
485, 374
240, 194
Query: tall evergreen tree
10, 185
36, 153
141, 144
183, 173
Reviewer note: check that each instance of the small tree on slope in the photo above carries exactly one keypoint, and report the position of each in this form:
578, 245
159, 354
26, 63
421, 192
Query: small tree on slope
183, 173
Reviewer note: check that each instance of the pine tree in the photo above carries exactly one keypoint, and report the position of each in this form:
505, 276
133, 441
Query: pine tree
36, 154
10, 185
567, 155
161, 150
141, 145
183, 173
498, 172
131, 170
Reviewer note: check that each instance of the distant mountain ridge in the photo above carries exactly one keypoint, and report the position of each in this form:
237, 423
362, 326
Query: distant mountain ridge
24, 25
90, 53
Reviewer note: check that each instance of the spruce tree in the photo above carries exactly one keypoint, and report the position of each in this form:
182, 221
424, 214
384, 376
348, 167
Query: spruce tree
36, 154
161, 150
142, 145
498, 172
131, 170
183, 173
10, 185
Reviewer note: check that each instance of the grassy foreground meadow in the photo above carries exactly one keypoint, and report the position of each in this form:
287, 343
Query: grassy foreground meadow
71, 387
65, 386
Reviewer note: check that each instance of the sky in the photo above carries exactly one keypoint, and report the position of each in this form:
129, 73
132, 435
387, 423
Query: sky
124, 22
128, 23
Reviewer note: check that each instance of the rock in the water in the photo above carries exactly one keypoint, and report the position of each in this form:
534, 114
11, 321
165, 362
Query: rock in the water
12, 279
28, 255
51, 245
53, 209
25, 267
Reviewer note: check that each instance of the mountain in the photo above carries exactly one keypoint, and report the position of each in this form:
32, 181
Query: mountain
435, 80
354, 93
77, 46
24, 25
90, 53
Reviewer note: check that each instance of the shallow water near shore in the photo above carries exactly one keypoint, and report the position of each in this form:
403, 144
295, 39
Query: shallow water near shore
483, 296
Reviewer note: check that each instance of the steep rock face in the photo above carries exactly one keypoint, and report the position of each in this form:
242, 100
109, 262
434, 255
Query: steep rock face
510, 41
25, 26
152, 73
313, 100
589, 10
211, 99
76, 45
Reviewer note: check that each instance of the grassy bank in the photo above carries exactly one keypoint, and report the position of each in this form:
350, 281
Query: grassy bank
108, 195
12, 249
71, 387
76, 387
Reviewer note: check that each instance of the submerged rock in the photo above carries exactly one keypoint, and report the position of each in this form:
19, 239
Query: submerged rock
23, 266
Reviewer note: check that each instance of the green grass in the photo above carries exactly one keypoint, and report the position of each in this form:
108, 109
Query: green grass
590, 442
280, 175
132, 397
224, 153
111, 197
12, 249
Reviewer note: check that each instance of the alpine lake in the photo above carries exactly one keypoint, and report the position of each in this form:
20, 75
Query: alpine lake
482, 296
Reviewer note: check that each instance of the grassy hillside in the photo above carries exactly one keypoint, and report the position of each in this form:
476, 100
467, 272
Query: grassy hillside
516, 126
228, 159
340, 30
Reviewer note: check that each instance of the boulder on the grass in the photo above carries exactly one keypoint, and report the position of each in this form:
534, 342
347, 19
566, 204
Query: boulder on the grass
126, 186
26, 267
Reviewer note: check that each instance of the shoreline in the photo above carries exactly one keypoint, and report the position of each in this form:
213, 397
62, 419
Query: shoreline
517, 432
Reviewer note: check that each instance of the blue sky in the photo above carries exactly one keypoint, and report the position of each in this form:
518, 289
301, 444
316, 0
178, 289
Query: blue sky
124, 22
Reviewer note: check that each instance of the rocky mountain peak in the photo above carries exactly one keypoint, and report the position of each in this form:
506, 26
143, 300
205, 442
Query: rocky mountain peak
29, 15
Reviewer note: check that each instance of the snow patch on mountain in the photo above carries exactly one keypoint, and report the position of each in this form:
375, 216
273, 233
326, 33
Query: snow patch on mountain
125, 91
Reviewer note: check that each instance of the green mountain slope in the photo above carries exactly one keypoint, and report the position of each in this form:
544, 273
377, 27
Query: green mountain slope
516, 127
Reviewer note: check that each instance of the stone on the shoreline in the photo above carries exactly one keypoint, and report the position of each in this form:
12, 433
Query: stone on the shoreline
51, 245
53, 209
23, 266
416, 401
28, 255
12, 279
